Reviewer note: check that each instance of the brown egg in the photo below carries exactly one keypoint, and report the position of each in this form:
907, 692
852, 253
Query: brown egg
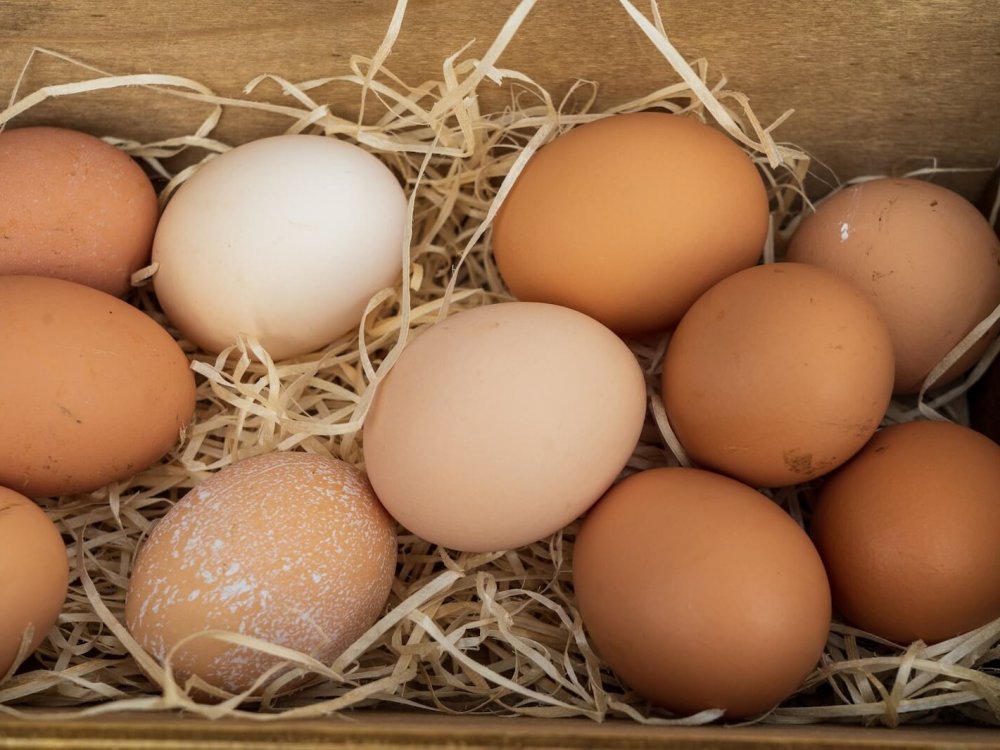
291, 548
91, 389
501, 424
701, 593
629, 218
925, 257
778, 374
73, 207
909, 531
33, 575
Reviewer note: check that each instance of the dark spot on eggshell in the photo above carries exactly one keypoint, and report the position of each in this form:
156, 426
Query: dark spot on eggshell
69, 413
807, 463
800, 463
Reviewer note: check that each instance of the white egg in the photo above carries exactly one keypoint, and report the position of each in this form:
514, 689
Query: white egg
284, 239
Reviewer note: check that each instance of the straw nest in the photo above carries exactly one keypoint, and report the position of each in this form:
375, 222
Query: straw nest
492, 633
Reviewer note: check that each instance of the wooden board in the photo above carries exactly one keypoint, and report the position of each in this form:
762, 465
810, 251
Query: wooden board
877, 87
392, 731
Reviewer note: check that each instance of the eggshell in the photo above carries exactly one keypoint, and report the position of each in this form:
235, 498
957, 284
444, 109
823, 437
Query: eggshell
925, 257
630, 218
501, 424
910, 532
73, 207
34, 575
778, 374
284, 239
290, 548
700, 593
91, 389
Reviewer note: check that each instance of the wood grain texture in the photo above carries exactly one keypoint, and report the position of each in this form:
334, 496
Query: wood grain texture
394, 731
877, 86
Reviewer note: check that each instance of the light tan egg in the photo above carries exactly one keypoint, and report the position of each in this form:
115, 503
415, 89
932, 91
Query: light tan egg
501, 424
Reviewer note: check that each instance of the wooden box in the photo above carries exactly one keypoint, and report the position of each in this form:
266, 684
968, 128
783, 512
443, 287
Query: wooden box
876, 88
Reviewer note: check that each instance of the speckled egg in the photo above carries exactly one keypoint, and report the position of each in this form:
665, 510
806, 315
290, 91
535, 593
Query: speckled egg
927, 259
291, 548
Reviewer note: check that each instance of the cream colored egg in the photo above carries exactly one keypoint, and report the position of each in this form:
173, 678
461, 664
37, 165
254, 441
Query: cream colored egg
284, 239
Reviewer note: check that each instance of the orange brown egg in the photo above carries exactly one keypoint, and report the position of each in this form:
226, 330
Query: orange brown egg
778, 374
629, 218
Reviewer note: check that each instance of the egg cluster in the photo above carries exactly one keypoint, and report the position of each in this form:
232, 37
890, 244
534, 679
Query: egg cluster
502, 424
291, 548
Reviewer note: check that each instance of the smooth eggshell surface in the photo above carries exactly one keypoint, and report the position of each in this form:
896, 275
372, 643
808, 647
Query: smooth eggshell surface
501, 424
927, 259
778, 374
33, 575
291, 548
629, 218
284, 239
700, 592
909, 530
92, 390
73, 207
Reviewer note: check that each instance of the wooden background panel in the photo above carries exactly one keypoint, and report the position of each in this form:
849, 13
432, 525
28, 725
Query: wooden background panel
875, 85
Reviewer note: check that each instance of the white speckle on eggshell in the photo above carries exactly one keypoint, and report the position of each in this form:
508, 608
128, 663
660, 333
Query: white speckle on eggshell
290, 548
